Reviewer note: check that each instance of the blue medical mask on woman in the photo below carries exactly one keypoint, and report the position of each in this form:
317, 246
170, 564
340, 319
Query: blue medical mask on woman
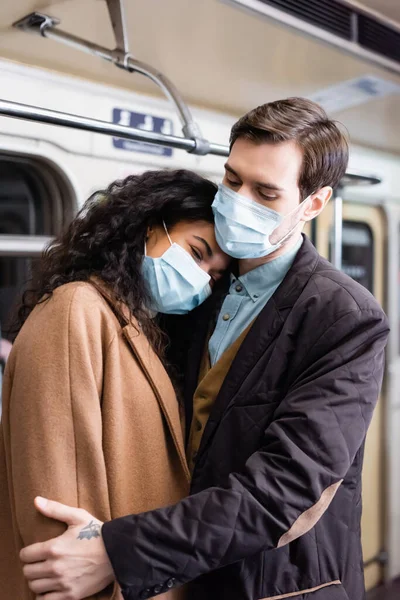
176, 282
243, 228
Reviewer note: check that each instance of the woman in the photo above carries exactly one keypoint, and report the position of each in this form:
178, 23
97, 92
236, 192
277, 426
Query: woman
90, 416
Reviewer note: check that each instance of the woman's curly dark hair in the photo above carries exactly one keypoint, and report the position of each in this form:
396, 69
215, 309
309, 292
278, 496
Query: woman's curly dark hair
106, 239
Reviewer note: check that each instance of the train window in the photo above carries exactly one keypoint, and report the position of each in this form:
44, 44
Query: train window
14, 273
34, 201
358, 253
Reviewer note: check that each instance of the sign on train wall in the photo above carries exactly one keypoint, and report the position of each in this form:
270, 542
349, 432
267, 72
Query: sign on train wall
146, 123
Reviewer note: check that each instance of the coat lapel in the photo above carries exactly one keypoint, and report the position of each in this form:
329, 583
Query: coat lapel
152, 368
161, 384
265, 329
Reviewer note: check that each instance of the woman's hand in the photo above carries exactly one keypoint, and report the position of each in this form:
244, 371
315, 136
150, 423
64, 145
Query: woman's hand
72, 566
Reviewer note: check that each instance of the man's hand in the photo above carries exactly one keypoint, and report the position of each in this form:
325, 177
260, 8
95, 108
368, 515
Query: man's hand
72, 566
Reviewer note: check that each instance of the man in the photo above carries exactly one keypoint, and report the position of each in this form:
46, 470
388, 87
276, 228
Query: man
284, 390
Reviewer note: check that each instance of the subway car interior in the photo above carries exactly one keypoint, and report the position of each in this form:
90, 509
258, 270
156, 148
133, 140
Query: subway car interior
94, 90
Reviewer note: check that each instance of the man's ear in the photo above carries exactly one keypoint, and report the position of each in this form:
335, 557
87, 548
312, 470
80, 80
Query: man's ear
317, 203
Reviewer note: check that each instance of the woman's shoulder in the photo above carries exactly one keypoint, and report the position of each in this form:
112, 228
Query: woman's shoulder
78, 302
74, 310
82, 292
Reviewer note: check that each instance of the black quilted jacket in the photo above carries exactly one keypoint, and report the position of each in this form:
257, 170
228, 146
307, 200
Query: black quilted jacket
275, 504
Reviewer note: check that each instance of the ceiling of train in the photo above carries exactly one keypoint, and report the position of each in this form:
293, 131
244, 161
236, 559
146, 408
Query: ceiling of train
218, 56
387, 8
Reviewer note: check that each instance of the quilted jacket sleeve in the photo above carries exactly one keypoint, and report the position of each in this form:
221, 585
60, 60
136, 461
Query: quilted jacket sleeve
285, 486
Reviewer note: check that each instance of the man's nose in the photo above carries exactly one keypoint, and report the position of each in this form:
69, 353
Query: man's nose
245, 190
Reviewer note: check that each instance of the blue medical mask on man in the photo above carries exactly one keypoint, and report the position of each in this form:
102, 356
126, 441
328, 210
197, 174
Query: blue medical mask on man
176, 282
244, 228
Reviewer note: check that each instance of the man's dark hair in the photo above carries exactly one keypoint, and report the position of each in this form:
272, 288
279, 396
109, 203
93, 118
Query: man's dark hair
324, 145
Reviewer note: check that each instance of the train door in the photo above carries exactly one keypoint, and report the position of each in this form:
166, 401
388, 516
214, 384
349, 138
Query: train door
34, 204
363, 255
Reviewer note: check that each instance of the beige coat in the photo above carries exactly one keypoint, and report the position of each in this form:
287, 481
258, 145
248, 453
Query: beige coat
90, 418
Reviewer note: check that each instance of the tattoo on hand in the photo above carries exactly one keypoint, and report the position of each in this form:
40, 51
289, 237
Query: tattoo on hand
90, 531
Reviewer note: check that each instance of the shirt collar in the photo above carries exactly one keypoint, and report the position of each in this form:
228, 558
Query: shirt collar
260, 280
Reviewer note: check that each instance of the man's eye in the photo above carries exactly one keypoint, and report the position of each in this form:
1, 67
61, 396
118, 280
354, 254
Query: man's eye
232, 183
267, 196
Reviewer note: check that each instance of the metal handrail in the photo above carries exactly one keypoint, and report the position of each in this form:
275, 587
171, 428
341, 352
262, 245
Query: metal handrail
337, 245
45, 26
54, 117
116, 11
23, 245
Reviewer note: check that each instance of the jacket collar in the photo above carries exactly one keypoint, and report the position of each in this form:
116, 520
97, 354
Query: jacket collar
263, 332
297, 277
259, 282
151, 366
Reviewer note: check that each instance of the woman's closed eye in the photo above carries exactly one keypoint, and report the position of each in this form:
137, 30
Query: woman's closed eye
197, 254
198, 257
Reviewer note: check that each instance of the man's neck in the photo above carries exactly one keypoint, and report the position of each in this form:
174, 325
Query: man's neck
249, 264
